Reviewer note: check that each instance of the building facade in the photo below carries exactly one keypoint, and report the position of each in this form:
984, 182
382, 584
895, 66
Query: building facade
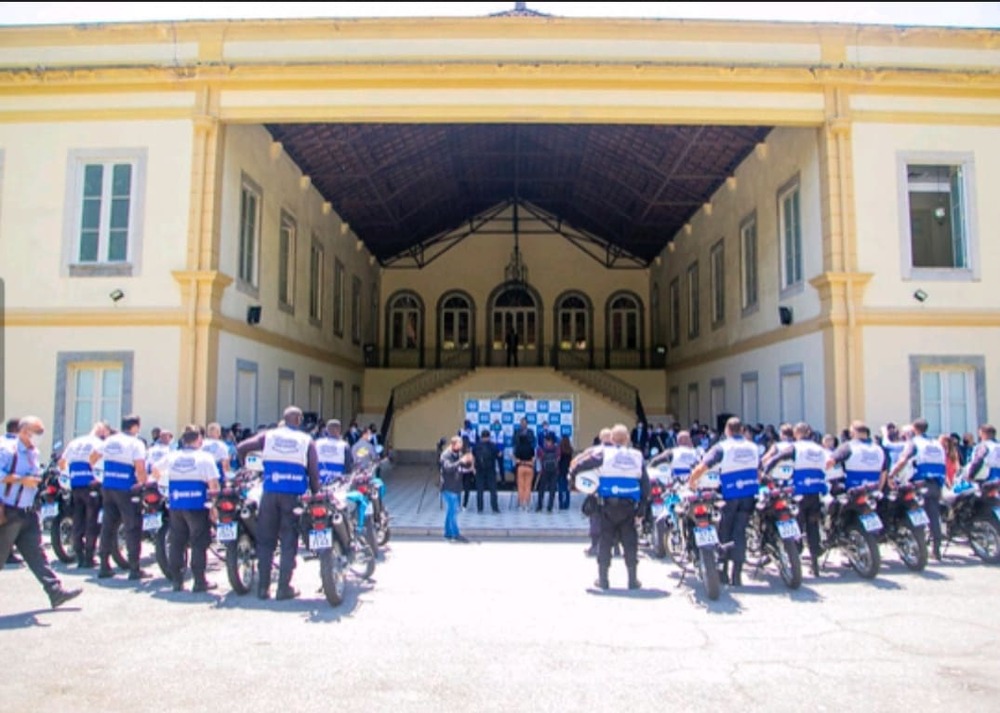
162, 253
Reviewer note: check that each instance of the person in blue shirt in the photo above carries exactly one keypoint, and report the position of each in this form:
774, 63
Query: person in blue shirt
21, 466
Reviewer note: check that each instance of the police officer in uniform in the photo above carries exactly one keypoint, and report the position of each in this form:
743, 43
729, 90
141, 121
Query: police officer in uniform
20, 470
738, 460
488, 469
291, 467
985, 462
809, 481
929, 466
333, 454
589, 507
124, 471
213, 444
85, 491
192, 478
682, 458
623, 489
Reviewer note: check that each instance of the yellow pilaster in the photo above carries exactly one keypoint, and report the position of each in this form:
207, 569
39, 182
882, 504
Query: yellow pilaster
202, 284
841, 286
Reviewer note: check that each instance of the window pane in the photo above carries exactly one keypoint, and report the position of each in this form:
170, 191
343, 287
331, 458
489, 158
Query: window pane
85, 384
396, 334
119, 213
91, 217
937, 230
463, 329
957, 217
111, 384
121, 180
111, 411
117, 246
83, 417
88, 246
448, 327
93, 180
931, 385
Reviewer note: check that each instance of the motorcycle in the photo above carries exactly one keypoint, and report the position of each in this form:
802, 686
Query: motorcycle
51, 498
325, 531
665, 533
236, 529
61, 527
153, 502
773, 534
971, 512
906, 524
359, 548
373, 518
699, 513
852, 525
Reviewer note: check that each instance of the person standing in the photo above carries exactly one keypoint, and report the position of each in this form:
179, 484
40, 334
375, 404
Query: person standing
524, 463
453, 464
562, 484
640, 437
85, 493
192, 477
548, 471
929, 466
623, 489
162, 439
984, 463
124, 471
290, 469
21, 469
333, 454
213, 444
738, 460
488, 469
512, 341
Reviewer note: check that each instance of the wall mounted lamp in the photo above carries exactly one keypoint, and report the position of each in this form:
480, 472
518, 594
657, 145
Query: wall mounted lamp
116, 295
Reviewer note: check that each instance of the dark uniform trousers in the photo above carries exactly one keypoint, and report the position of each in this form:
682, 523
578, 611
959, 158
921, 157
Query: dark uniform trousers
277, 523
932, 506
617, 519
486, 480
810, 513
119, 508
733, 529
189, 527
86, 506
23, 530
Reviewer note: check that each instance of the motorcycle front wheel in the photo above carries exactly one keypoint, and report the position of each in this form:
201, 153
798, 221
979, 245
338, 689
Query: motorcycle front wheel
912, 545
61, 539
119, 548
362, 564
382, 532
789, 563
332, 575
162, 547
984, 538
862, 551
241, 564
660, 536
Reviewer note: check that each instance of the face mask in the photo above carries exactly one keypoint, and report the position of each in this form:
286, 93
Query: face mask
34, 438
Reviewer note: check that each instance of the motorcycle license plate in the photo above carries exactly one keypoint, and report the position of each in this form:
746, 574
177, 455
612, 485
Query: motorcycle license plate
226, 532
704, 536
49, 511
153, 521
320, 539
871, 522
789, 528
918, 517
657, 510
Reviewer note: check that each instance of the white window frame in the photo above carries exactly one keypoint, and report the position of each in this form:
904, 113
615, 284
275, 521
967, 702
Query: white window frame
66, 363
356, 288
790, 283
973, 364
717, 269
78, 160
674, 305
749, 273
247, 367
339, 290
287, 239
791, 370
98, 411
316, 265
248, 275
693, 301
973, 270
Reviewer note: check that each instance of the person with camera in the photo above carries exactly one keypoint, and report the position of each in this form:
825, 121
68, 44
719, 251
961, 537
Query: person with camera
454, 465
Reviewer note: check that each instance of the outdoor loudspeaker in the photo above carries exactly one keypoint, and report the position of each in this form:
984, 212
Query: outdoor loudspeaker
253, 314
785, 315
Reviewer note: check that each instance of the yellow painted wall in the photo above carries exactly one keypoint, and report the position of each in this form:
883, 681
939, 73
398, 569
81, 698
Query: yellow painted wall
249, 151
887, 365
476, 266
881, 203
30, 369
790, 153
419, 428
34, 210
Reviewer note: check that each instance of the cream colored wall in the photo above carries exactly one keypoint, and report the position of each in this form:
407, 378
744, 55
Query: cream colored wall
887, 366
249, 150
476, 266
269, 360
880, 210
767, 363
35, 203
789, 153
419, 428
30, 356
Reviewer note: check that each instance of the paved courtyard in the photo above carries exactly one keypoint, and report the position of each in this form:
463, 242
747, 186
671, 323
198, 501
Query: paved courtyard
510, 624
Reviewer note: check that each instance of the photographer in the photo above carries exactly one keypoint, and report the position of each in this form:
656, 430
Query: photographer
454, 465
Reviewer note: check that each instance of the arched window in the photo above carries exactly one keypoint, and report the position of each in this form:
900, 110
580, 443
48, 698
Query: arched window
654, 313
404, 330
455, 312
624, 344
573, 323
515, 309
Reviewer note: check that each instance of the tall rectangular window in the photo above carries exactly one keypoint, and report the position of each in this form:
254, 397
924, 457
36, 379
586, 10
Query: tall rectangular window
338, 298
792, 394
249, 237
338, 400
316, 395
674, 403
748, 263
790, 229
718, 265
246, 393
937, 215
373, 316
356, 309
693, 410
717, 399
286, 262
95, 394
355, 401
947, 401
674, 298
286, 390
749, 398
316, 282
693, 295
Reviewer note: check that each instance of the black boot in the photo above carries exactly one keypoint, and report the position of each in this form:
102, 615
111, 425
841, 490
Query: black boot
633, 580
724, 572
105, 571
737, 574
602, 579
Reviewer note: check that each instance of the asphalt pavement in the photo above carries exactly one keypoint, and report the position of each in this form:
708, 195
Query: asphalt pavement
510, 625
